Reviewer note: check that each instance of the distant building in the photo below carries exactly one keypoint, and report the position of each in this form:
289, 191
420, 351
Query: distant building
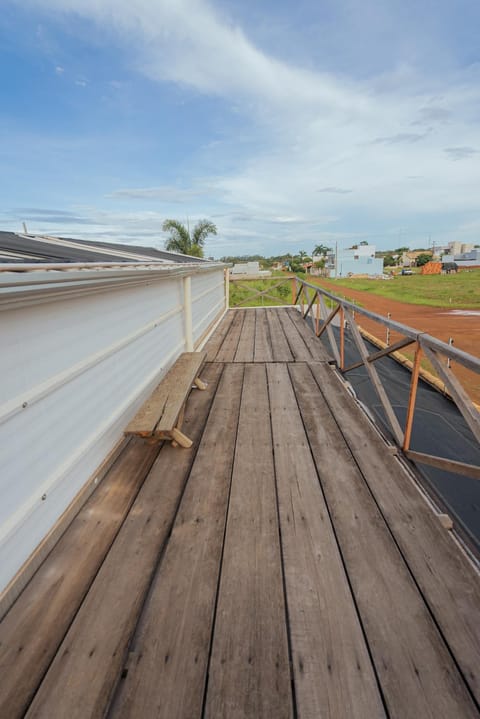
358, 261
464, 259
409, 259
459, 248
248, 269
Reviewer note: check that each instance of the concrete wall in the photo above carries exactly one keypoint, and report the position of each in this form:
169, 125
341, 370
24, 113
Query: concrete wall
80, 353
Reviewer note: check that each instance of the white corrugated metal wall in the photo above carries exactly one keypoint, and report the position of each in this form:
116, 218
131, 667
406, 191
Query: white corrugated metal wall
74, 369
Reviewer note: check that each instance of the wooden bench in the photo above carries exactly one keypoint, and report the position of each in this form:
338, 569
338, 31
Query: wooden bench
161, 416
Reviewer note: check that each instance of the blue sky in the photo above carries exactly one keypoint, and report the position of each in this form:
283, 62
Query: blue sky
287, 124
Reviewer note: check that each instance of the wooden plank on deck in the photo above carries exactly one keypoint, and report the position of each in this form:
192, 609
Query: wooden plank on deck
314, 344
449, 582
214, 342
263, 346
300, 351
166, 671
89, 662
418, 676
332, 669
32, 630
249, 673
227, 351
246, 343
280, 347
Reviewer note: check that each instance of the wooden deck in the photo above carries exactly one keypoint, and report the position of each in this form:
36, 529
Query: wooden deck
284, 566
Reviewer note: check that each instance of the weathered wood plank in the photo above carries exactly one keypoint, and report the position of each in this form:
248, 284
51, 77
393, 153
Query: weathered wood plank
405, 644
226, 353
88, 664
332, 670
263, 346
160, 412
299, 349
318, 351
246, 343
249, 668
32, 630
168, 661
280, 347
214, 342
448, 581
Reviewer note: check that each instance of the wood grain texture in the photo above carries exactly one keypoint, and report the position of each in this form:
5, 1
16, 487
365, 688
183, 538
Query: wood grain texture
409, 653
314, 344
227, 351
249, 669
87, 667
246, 343
166, 671
280, 347
332, 669
214, 342
299, 349
446, 577
263, 346
161, 410
35, 626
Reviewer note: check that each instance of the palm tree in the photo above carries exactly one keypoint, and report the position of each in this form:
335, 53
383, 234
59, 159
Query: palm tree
321, 250
182, 241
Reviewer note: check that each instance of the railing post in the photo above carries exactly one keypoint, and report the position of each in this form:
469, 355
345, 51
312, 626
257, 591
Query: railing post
342, 337
412, 398
388, 329
294, 290
187, 313
227, 288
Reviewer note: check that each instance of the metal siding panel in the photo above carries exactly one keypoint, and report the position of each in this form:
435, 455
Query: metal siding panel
52, 446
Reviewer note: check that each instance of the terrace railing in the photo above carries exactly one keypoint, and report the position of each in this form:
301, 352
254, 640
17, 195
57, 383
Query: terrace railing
324, 307
273, 283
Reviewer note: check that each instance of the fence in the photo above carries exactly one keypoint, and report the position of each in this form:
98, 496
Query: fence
314, 301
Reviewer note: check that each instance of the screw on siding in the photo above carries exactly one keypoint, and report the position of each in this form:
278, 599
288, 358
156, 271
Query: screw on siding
44, 496
25, 404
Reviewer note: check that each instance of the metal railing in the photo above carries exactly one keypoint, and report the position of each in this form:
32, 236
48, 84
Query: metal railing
314, 299
256, 294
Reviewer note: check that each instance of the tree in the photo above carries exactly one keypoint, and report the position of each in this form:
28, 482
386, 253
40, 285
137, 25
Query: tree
423, 259
321, 250
180, 239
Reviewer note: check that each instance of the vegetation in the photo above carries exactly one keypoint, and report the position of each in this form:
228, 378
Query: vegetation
460, 290
184, 242
242, 293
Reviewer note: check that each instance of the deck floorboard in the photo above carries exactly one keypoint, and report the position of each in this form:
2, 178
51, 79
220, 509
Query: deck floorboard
287, 565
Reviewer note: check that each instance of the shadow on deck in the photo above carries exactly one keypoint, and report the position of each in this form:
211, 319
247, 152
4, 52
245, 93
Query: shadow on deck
286, 565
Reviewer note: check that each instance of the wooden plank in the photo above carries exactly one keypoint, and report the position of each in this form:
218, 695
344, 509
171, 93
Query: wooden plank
226, 353
32, 630
332, 670
246, 343
160, 412
280, 347
417, 673
299, 349
449, 465
382, 353
318, 351
375, 380
447, 579
85, 671
263, 346
249, 673
166, 671
214, 343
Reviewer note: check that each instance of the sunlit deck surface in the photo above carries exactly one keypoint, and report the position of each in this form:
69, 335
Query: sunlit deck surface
285, 566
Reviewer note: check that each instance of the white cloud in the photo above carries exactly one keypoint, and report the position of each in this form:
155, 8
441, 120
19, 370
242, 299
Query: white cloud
331, 145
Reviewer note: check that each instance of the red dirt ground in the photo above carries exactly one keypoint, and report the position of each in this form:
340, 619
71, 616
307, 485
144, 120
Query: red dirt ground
437, 321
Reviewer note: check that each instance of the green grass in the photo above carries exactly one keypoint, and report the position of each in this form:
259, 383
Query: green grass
242, 296
460, 291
